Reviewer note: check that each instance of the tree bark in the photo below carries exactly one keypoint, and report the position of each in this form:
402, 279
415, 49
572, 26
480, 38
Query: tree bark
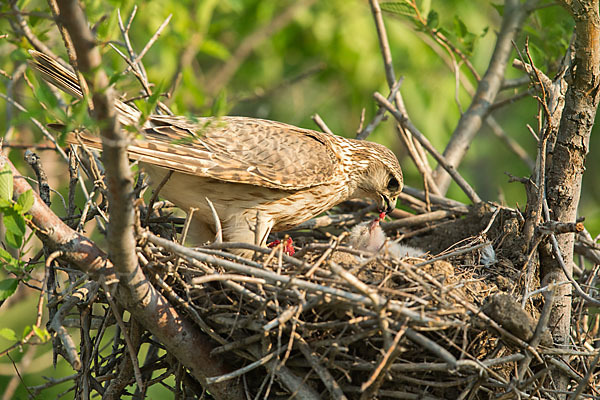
565, 171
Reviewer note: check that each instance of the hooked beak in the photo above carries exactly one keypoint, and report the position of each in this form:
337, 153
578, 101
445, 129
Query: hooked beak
388, 204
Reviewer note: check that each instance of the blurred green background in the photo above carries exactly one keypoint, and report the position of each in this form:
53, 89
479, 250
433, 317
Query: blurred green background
325, 59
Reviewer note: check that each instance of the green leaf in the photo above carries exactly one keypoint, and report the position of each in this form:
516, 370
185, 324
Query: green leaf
399, 8
8, 334
15, 225
5, 255
459, 27
14, 241
219, 106
14, 222
9, 263
6, 183
7, 288
26, 331
215, 49
42, 333
25, 200
433, 19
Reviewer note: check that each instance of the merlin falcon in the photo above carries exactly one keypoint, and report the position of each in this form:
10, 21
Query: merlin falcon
259, 175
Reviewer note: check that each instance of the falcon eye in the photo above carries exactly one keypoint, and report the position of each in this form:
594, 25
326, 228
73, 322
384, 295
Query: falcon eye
393, 185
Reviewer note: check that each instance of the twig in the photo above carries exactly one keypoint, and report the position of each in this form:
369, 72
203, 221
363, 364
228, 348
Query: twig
560, 227
35, 42
401, 118
497, 130
250, 42
130, 348
420, 219
274, 277
415, 151
217, 220
73, 178
514, 15
34, 161
57, 324
321, 124
155, 194
561, 262
152, 39
539, 329
387, 358
37, 123
439, 200
432, 347
454, 253
239, 372
591, 370
512, 144
327, 379
36, 390
366, 131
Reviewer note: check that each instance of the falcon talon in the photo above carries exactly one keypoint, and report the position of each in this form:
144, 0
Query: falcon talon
288, 246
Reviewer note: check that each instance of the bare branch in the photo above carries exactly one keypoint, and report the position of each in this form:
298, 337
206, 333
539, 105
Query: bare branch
515, 14
182, 338
423, 140
225, 73
114, 141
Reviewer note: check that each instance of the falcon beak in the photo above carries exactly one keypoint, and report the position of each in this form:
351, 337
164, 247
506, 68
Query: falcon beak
388, 204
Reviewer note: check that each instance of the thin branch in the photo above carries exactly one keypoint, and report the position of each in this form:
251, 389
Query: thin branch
182, 338
152, 39
321, 124
515, 14
366, 131
401, 118
250, 42
414, 149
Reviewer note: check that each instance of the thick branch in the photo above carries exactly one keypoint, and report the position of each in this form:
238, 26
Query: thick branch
136, 293
181, 338
469, 124
119, 181
568, 160
56, 235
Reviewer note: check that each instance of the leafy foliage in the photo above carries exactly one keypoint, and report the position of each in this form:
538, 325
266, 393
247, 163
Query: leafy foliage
326, 61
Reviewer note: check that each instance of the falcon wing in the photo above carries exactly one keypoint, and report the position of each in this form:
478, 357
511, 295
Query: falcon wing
236, 149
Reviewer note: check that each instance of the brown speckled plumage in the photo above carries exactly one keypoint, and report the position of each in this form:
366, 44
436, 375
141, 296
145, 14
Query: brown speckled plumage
248, 167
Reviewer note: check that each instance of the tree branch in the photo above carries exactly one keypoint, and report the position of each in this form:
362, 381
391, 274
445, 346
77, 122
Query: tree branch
135, 292
401, 118
225, 73
565, 172
182, 339
489, 86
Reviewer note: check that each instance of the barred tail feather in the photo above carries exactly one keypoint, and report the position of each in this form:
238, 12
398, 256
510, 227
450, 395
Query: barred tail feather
66, 80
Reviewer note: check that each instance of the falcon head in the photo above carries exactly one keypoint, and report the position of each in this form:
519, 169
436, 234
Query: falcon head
381, 179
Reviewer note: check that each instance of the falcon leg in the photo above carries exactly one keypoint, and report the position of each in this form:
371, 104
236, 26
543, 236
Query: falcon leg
241, 229
199, 233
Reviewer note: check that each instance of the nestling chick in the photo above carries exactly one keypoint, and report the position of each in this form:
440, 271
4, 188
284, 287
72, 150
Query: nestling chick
368, 236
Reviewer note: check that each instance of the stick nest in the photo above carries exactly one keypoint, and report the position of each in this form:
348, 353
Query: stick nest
335, 322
